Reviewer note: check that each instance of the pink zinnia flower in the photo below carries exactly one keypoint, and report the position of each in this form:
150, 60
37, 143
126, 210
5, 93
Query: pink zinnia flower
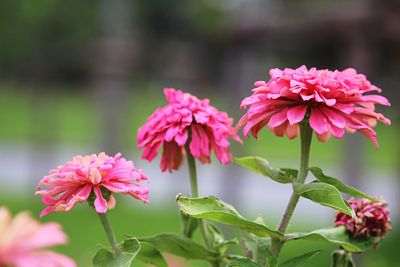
169, 127
335, 100
372, 218
99, 175
24, 242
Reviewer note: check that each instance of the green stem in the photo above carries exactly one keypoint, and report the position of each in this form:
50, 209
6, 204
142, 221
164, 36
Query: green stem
194, 188
195, 193
109, 232
306, 137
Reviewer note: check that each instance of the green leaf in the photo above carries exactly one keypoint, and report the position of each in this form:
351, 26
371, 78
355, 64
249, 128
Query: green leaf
213, 209
149, 254
318, 173
299, 261
324, 194
103, 257
342, 258
180, 246
218, 240
261, 166
106, 258
257, 249
224, 245
189, 225
241, 263
215, 234
337, 236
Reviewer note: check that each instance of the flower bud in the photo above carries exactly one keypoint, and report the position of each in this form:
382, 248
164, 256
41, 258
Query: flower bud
372, 219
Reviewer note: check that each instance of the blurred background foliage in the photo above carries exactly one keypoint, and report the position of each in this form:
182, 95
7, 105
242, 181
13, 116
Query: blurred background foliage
82, 76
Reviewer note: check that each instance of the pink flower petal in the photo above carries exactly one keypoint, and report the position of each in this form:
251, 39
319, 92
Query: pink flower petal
100, 203
278, 118
334, 117
296, 114
318, 121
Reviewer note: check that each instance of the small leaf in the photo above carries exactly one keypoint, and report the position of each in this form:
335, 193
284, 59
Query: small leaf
189, 225
241, 263
318, 173
261, 166
337, 236
258, 249
218, 240
324, 194
342, 258
180, 246
149, 254
213, 209
215, 234
224, 245
103, 258
106, 258
299, 261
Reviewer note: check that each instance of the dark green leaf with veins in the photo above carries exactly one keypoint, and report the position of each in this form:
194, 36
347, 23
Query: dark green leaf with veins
106, 258
324, 194
299, 261
180, 246
213, 209
338, 236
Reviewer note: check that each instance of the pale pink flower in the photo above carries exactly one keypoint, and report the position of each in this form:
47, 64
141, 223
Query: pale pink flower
24, 242
372, 218
174, 261
99, 175
336, 101
169, 127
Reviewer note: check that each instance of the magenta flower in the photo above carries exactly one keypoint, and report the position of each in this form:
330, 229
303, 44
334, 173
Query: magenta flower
99, 175
169, 127
24, 242
337, 101
372, 218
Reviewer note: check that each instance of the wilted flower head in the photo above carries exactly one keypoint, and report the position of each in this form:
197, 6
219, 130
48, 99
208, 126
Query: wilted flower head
336, 101
170, 125
98, 175
372, 218
24, 242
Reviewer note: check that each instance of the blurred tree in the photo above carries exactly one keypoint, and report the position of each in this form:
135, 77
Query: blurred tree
110, 66
45, 40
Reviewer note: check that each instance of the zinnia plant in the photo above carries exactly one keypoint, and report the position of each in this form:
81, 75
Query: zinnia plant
292, 102
300, 102
192, 127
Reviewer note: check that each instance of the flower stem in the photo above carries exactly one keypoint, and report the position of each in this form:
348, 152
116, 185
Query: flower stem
306, 137
195, 193
109, 232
